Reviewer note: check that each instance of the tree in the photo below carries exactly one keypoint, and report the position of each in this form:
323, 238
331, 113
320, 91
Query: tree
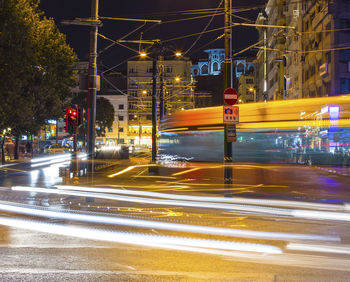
104, 113
35, 67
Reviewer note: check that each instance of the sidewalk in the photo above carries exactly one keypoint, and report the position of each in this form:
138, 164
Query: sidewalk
345, 171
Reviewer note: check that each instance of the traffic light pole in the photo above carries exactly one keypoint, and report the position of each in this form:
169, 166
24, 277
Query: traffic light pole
92, 84
227, 83
75, 159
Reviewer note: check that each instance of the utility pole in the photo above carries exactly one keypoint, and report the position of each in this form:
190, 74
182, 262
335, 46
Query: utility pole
161, 92
154, 107
227, 84
92, 82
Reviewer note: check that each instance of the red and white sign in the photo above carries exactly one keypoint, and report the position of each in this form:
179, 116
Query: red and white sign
230, 96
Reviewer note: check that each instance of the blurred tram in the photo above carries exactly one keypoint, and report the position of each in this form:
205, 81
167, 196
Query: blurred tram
307, 131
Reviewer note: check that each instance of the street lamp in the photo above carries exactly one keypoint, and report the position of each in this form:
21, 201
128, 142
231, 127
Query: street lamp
284, 63
253, 90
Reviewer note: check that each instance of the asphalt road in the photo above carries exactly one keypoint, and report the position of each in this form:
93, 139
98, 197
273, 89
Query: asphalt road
275, 223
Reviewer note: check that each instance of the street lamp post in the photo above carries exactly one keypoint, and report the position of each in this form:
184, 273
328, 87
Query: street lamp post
283, 61
251, 89
154, 108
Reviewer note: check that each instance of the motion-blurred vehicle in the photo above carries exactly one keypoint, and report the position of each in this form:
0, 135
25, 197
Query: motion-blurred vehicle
68, 148
112, 152
55, 148
300, 131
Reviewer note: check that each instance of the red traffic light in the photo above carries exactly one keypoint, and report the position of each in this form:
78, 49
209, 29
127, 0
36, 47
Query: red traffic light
72, 113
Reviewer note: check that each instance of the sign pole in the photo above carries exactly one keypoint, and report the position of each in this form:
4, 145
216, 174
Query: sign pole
230, 118
227, 83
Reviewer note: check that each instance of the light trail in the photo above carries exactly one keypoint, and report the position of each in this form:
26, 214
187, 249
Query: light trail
319, 248
62, 156
265, 202
186, 171
193, 204
159, 241
103, 219
320, 215
54, 159
129, 168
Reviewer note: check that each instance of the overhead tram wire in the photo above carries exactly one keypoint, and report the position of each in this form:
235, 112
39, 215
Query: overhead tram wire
305, 52
116, 42
193, 18
207, 44
205, 28
221, 28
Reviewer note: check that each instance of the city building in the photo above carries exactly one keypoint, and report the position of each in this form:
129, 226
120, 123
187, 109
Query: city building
246, 89
174, 84
310, 56
208, 75
326, 28
118, 133
213, 65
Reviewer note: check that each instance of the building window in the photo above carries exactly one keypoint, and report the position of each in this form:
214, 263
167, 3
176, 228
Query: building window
110, 129
132, 70
121, 129
195, 71
149, 69
121, 141
312, 70
132, 106
121, 106
204, 69
120, 118
149, 117
133, 93
215, 66
132, 117
344, 85
329, 57
240, 68
328, 27
249, 81
168, 69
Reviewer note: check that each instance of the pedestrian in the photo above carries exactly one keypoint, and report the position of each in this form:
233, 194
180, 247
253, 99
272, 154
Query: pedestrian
28, 149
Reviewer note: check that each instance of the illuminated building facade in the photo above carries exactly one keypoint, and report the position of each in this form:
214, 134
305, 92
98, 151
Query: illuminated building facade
174, 80
308, 58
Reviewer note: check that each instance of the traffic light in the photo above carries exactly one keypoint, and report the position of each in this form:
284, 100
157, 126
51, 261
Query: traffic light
71, 119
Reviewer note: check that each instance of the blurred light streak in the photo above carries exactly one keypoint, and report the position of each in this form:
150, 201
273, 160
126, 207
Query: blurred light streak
63, 156
168, 242
321, 215
54, 159
128, 169
193, 204
102, 219
266, 202
319, 248
185, 171
5, 165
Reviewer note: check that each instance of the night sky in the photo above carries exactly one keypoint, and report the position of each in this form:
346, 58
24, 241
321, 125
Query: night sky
165, 10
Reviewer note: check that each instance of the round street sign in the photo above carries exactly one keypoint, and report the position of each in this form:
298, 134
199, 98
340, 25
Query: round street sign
230, 96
